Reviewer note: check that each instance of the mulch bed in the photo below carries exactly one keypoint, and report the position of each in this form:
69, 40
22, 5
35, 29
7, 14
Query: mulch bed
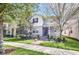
9, 50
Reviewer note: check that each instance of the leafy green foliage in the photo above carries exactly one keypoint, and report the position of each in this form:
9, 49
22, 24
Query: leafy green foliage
19, 12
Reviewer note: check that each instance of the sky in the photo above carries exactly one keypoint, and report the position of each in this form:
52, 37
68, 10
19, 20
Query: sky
42, 10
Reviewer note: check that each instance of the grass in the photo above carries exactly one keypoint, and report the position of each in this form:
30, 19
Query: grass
70, 44
21, 51
17, 40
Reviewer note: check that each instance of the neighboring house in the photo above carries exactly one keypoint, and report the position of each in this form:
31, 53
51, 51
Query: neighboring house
10, 29
43, 27
72, 28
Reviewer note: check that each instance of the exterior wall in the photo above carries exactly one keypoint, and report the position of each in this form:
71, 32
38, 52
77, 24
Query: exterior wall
53, 32
52, 25
6, 28
72, 30
10, 28
78, 29
40, 21
39, 29
37, 26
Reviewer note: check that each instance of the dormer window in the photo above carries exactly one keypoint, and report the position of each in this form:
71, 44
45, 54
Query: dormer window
35, 20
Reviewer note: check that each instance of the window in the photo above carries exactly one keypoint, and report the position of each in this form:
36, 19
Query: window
35, 31
71, 31
35, 20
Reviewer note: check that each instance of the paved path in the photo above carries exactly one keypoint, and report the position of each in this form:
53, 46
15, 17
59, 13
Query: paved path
49, 50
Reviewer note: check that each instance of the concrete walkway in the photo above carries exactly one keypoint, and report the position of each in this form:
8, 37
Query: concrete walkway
49, 50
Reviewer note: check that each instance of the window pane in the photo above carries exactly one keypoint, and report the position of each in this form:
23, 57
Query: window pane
35, 20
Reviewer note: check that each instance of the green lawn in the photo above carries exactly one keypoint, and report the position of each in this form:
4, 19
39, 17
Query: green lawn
17, 40
70, 44
21, 51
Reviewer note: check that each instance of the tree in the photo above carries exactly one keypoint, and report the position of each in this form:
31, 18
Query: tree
64, 12
12, 12
3, 8
26, 11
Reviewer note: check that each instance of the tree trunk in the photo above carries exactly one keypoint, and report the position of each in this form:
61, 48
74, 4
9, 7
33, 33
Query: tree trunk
60, 32
1, 37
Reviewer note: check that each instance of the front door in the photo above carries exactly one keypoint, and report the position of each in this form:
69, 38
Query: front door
45, 31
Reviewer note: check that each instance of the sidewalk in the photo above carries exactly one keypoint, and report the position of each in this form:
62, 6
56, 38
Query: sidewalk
49, 50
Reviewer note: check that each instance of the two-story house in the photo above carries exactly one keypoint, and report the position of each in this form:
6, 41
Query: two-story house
43, 27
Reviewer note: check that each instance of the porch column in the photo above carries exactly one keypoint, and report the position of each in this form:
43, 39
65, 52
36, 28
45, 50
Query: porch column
14, 32
10, 29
